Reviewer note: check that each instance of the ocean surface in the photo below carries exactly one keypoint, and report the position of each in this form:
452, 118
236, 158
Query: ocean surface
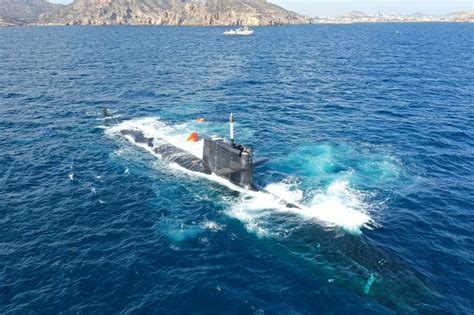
369, 127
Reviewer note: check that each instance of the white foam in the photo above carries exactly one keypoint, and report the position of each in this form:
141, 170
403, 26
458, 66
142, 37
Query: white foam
154, 128
211, 225
341, 205
254, 209
337, 205
176, 135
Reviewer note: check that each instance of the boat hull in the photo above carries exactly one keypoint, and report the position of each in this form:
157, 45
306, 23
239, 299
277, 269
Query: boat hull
244, 33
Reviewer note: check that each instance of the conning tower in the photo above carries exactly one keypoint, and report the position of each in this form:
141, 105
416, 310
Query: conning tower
229, 160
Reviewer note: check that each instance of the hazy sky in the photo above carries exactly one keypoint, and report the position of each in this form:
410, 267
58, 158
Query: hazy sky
338, 7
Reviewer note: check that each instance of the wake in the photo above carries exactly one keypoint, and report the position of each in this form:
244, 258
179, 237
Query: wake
337, 205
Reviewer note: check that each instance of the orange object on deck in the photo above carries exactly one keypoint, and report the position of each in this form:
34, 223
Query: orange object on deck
193, 137
200, 119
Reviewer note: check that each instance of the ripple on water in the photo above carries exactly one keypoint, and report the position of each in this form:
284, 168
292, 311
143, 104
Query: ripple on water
370, 132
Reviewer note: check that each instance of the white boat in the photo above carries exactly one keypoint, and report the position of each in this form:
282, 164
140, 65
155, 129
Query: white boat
239, 31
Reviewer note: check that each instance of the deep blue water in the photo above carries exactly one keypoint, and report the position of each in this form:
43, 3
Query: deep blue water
369, 126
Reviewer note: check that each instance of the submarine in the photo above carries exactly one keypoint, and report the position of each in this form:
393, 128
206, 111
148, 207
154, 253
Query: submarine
369, 270
224, 158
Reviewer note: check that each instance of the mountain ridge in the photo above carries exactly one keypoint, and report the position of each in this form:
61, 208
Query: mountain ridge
172, 12
25, 11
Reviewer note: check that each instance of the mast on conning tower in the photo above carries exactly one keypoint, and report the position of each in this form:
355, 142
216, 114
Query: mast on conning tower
231, 120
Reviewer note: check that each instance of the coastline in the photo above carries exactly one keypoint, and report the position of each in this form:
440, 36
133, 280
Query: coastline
229, 25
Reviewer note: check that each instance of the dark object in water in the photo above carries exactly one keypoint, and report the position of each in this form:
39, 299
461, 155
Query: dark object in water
106, 114
230, 161
169, 153
226, 159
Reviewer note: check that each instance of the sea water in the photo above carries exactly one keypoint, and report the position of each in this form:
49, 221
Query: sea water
368, 128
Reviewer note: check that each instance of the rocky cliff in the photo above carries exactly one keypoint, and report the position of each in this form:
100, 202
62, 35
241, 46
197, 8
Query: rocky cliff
172, 12
9, 22
24, 11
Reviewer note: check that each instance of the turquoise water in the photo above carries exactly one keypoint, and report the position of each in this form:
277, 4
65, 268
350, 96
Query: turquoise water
368, 127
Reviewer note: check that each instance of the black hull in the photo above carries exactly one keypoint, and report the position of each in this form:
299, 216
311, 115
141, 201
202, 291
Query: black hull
169, 153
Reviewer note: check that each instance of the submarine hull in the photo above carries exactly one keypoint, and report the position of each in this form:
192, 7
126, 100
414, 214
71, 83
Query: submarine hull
220, 158
168, 152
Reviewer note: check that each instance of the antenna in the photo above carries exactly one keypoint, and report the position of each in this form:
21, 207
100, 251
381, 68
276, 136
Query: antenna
231, 120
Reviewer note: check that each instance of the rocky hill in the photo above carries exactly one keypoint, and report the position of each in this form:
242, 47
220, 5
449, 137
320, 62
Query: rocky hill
172, 12
9, 22
24, 11
465, 16
356, 14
